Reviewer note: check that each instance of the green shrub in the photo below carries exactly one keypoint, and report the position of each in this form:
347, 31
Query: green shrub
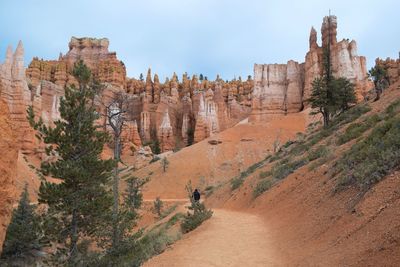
322, 160
192, 220
393, 108
236, 182
350, 115
168, 211
355, 130
368, 161
154, 159
284, 168
174, 219
314, 154
199, 213
265, 174
344, 118
288, 144
157, 206
261, 187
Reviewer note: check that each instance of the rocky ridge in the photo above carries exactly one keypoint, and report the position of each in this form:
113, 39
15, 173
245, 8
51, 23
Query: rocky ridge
284, 88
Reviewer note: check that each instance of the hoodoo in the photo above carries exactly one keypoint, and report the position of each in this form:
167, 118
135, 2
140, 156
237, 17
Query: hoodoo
284, 88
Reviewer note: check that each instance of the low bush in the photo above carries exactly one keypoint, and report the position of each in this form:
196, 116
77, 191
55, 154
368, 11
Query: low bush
344, 118
236, 182
284, 168
168, 211
355, 130
393, 108
369, 160
265, 174
198, 215
192, 220
314, 154
322, 160
261, 187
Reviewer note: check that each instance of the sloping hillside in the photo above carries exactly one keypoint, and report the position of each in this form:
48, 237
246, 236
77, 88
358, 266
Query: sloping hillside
217, 159
322, 204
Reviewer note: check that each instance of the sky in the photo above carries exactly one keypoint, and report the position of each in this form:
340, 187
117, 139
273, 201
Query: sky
211, 37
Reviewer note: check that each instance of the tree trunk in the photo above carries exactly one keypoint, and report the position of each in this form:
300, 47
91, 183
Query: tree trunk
73, 250
117, 154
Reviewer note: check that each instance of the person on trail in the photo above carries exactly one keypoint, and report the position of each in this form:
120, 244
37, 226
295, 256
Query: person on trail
196, 195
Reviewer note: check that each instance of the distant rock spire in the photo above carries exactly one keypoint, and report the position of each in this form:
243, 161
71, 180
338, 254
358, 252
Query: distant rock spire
18, 70
313, 38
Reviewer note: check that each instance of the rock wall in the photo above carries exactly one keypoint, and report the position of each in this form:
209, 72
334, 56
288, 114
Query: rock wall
224, 102
8, 167
277, 89
17, 95
283, 88
392, 66
104, 65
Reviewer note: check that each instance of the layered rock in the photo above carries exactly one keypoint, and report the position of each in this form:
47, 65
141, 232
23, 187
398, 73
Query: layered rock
284, 88
104, 65
8, 167
165, 134
17, 95
230, 101
344, 59
392, 67
277, 89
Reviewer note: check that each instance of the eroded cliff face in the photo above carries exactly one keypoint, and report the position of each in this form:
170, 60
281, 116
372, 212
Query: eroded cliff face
196, 109
392, 66
8, 167
105, 66
283, 88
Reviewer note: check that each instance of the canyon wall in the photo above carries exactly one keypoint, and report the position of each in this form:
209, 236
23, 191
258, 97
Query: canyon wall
196, 109
284, 88
392, 67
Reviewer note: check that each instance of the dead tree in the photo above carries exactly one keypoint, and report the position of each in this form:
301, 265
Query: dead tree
117, 113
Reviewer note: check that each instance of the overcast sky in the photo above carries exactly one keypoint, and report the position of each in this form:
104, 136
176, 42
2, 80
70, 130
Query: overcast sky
197, 36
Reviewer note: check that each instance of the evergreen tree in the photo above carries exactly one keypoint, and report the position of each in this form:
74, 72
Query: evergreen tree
201, 78
158, 205
344, 94
330, 96
380, 78
128, 240
141, 78
23, 233
164, 164
77, 202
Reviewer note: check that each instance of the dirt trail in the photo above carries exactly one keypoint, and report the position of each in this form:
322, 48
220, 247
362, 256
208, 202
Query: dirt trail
227, 239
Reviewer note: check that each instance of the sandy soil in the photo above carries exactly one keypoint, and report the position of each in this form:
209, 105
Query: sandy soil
206, 164
229, 238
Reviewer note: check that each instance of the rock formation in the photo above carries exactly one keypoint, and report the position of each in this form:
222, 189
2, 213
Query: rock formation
282, 88
104, 65
277, 89
165, 134
17, 95
392, 67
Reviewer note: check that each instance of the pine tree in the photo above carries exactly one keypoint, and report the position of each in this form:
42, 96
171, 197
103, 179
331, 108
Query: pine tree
201, 77
330, 96
141, 78
80, 197
23, 233
380, 79
158, 205
164, 164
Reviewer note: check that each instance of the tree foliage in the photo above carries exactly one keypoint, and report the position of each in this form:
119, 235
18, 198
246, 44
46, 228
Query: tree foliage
331, 96
380, 78
77, 202
23, 235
